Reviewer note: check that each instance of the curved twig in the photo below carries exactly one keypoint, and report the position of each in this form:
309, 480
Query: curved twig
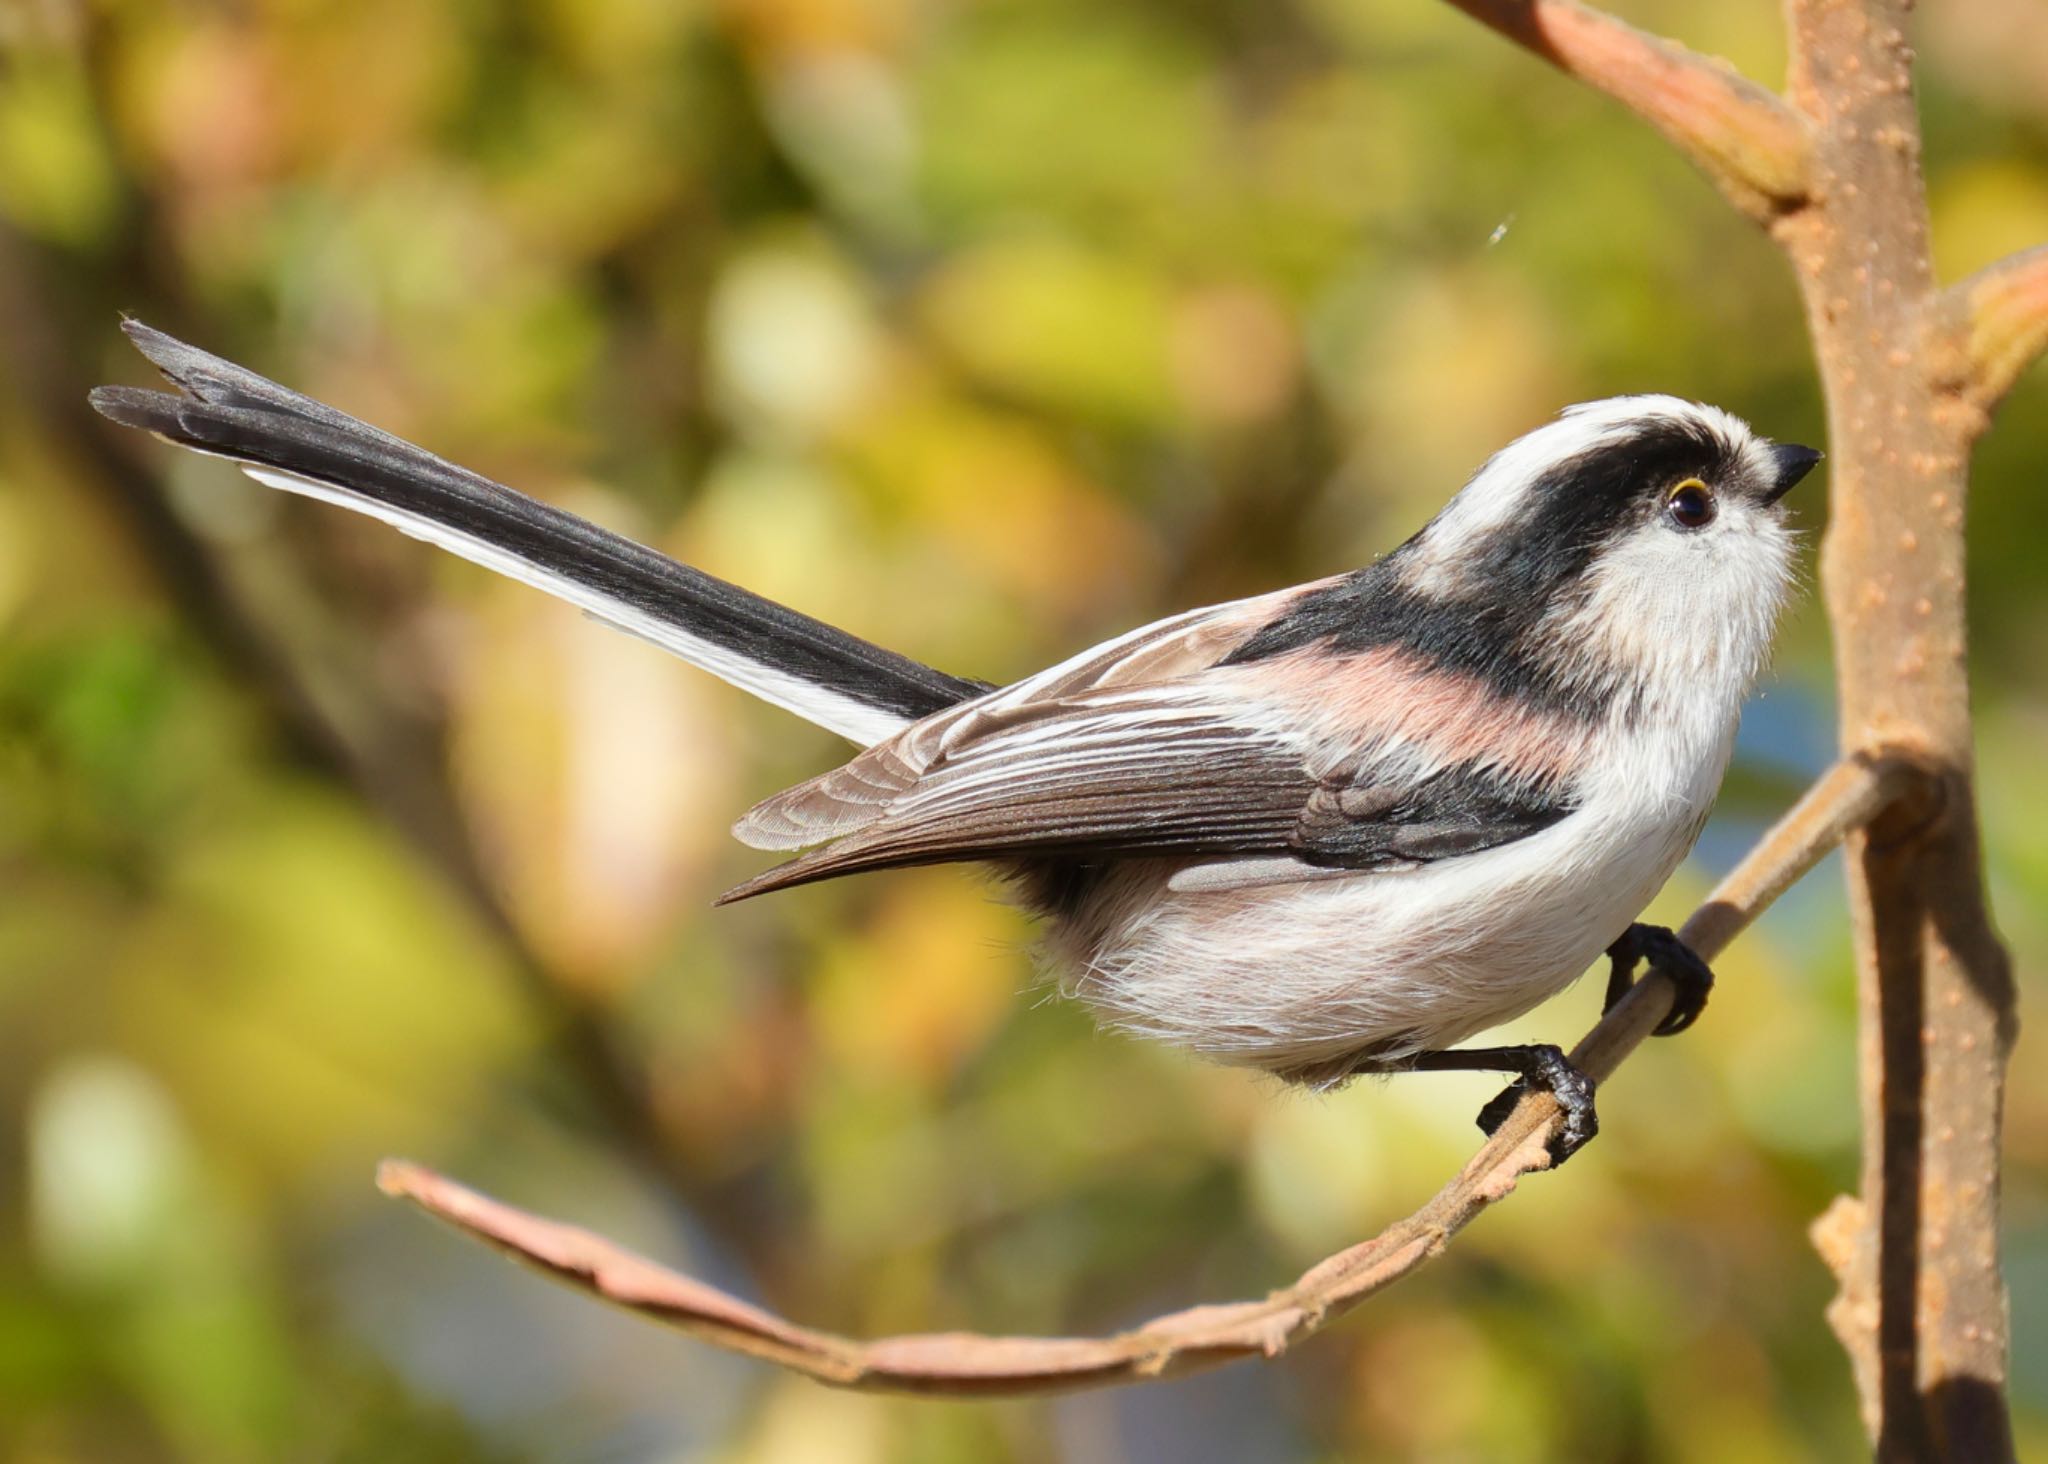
1847, 797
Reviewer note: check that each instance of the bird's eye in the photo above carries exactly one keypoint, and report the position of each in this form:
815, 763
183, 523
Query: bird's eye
1690, 504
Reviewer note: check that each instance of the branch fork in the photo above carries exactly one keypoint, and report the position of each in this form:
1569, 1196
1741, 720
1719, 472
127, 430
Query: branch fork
1992, 326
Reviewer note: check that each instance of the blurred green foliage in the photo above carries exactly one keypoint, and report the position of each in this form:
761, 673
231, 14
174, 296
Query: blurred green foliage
984, 327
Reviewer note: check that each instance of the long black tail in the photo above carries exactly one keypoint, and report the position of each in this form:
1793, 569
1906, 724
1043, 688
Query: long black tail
297, 444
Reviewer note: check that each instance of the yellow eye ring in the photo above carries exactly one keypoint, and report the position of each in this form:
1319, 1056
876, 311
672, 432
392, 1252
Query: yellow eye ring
1690, 504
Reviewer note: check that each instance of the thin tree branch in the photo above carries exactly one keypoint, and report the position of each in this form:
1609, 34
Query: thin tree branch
1743, 136
1848, 796
1995, 325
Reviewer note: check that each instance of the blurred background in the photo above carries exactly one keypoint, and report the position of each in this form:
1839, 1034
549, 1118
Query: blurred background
984, 328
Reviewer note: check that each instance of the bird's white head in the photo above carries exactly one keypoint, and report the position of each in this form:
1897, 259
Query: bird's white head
1640, 544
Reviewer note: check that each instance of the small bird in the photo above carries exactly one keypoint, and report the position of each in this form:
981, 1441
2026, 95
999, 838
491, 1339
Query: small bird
1326, 831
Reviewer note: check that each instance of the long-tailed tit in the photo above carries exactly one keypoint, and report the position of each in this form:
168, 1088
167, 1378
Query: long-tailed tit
1330, 830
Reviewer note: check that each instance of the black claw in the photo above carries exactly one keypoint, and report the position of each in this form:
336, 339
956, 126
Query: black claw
1691, 977
1551, 1070
1622, 957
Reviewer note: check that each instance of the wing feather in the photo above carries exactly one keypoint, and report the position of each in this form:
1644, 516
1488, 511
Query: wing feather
856, 793
1102, 782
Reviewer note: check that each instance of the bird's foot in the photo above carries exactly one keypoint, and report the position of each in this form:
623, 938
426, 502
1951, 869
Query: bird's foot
1543, 1067
1691, 978
1551, 1071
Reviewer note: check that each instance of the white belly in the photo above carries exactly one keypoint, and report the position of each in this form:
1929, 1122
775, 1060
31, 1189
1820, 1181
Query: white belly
1304, 979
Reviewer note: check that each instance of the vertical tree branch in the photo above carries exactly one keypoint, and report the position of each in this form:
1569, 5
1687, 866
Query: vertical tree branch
1922, 1309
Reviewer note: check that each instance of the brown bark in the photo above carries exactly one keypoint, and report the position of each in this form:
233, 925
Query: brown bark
1922, 1309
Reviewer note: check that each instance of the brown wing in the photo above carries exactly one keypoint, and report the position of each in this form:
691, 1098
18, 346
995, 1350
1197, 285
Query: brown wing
854, 795
1167, 770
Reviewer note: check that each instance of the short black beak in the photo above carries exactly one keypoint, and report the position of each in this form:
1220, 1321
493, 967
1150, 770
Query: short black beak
1793, 462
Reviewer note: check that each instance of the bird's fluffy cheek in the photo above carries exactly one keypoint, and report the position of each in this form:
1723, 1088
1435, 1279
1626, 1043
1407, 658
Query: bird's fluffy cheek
1681, 610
